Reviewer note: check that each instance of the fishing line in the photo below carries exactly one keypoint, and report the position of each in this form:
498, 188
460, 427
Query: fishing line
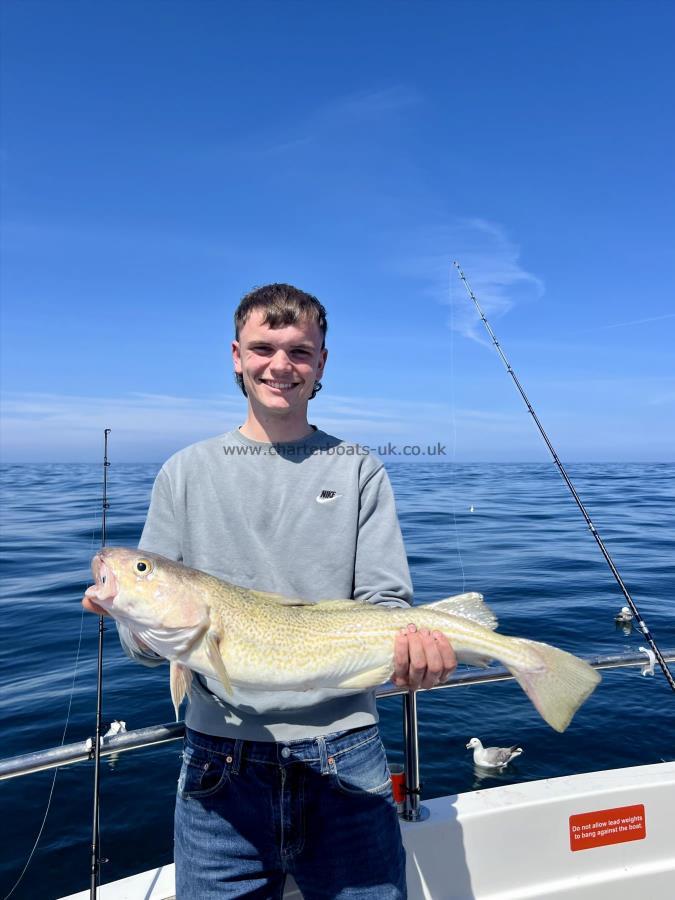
453, 419
615, 572
63, 740
95, 830
56, 771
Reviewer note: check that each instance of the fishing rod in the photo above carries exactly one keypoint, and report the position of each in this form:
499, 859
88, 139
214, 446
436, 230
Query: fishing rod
95, 835
615, 572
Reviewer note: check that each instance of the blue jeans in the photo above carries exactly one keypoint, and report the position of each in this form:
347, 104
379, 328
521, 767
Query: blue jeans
248, 813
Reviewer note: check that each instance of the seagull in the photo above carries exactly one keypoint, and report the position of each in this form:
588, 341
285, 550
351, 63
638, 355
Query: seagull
492, 757
624, 616
116, 727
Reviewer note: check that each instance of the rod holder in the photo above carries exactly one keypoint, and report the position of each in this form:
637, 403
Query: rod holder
413, 810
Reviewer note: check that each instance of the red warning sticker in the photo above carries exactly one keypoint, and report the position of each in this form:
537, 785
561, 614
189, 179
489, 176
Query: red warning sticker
607, 826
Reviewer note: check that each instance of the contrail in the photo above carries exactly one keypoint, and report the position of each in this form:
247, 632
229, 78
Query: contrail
640, 321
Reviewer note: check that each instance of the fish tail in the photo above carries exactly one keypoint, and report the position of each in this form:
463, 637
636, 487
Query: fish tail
555, 681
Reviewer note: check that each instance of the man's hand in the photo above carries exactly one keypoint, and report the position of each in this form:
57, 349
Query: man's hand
422, 659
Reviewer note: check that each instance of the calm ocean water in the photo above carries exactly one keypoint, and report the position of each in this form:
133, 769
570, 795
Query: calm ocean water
525, 546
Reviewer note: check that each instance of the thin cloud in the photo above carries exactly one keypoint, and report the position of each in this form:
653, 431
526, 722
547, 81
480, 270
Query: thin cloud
292, 145
42, 426
133, 239
663, 398
367, 104
80, 411
347, 111
57, 427
492, 265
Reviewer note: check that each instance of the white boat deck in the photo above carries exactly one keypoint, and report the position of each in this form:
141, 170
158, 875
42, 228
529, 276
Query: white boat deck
580, 837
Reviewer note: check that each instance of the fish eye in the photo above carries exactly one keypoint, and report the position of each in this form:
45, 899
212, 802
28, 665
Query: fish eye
143, 566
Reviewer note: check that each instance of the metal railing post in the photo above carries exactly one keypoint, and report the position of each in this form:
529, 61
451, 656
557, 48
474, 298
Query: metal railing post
414, 811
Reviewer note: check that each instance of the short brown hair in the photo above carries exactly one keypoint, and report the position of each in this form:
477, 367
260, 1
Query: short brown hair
281, 304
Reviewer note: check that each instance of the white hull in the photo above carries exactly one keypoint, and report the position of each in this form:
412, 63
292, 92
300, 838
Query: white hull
514, 843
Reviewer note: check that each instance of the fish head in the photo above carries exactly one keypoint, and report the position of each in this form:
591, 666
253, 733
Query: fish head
147, 590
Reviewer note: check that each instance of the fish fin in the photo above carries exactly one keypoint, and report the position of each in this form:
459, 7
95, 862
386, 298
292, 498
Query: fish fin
468, 606
369, 678
180, 680
213, 655
558, 686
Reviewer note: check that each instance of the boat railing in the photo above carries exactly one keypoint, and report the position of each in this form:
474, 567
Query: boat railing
153, 735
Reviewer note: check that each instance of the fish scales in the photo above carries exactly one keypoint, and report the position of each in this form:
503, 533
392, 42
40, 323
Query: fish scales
282, 641
264, 641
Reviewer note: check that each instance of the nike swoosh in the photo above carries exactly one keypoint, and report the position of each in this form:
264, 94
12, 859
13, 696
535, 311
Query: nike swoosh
321, 499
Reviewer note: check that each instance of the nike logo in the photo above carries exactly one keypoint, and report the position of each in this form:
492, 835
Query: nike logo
327, 496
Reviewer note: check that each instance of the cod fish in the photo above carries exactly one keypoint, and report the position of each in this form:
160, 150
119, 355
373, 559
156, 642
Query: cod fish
264, 641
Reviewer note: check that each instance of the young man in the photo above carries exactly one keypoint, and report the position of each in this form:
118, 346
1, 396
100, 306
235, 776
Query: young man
284, 782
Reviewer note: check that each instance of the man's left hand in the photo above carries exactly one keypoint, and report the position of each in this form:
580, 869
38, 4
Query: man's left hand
422, 659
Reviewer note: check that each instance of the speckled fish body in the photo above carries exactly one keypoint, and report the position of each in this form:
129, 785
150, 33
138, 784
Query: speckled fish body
259, 640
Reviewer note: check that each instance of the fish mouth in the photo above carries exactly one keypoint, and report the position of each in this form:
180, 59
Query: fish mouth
105, 590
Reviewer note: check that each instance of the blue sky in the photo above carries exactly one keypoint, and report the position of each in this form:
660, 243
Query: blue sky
161, 158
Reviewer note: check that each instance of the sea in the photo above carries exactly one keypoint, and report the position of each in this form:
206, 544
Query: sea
510, 531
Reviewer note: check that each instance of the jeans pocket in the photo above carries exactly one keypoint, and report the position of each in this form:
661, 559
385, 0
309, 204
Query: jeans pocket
363, 769
203, 773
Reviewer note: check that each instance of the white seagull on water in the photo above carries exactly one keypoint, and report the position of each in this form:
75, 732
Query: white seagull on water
492, 757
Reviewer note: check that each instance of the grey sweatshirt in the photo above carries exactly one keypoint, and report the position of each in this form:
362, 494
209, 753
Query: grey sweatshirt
313, 519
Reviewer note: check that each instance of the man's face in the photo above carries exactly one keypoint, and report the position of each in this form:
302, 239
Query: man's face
279, 365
